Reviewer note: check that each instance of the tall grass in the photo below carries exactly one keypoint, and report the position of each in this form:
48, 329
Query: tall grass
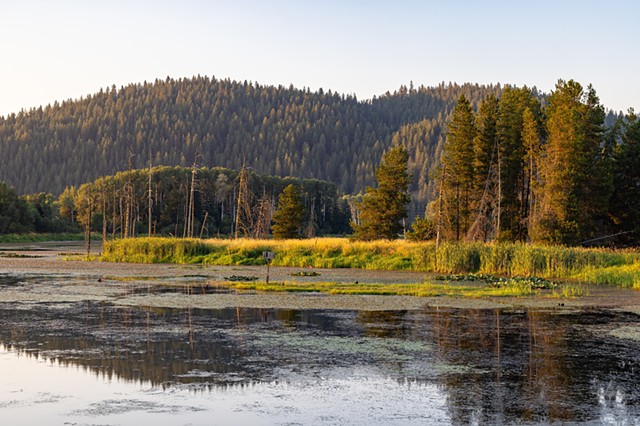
627, 275
508, 259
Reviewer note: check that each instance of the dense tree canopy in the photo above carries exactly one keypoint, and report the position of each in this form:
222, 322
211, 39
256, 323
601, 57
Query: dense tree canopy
625, 200
14, 213
31, 213
519, 170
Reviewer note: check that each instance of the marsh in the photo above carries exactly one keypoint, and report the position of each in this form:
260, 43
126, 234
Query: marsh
96, 343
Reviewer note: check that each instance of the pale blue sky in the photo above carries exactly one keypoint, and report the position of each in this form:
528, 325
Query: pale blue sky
56, 50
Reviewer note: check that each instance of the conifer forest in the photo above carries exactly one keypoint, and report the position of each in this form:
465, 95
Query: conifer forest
208, 157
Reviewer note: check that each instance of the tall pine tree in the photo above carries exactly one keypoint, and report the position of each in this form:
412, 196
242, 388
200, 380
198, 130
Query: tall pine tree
531, 141
383, 209
575, 186
625, 201
512, 155
458, 171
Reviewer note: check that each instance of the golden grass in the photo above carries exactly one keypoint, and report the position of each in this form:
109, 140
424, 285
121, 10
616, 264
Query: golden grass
593, 265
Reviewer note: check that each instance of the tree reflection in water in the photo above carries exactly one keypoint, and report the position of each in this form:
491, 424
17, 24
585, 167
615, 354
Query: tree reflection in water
494, 366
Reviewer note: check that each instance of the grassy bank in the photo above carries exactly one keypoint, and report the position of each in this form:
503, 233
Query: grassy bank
620, 268
39, 238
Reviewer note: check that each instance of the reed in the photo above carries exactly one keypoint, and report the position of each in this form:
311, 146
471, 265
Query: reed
627, 275
593, 265
570, 290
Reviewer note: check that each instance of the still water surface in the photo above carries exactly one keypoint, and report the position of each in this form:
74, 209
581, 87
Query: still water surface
96, 363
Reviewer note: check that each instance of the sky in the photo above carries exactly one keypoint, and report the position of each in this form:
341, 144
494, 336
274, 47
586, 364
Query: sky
65, 49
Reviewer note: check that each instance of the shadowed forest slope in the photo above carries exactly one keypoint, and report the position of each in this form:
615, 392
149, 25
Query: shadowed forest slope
281, 131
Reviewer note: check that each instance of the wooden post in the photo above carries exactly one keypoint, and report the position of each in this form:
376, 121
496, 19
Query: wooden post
269, 256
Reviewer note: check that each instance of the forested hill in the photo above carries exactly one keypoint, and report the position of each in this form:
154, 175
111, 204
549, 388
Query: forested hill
281, 131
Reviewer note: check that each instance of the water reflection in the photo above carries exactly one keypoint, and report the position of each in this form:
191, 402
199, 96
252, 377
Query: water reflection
492, 366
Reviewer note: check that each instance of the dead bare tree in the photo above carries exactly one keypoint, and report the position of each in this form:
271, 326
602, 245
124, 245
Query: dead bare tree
264, 214
244, 216
128, 195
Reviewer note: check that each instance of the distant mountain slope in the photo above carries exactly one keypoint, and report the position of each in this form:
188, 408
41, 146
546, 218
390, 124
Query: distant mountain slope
280, 131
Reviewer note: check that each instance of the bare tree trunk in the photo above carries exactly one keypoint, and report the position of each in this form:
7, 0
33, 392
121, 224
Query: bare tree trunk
104, 214
121, 216
440, 199
458, 212
531, 201
128, 199
185, 225
244, 216
191, 212
114, 216
150, 197
499, 195
204, 222
88, 226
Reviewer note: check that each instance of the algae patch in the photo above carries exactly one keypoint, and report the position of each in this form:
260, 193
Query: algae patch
629, 332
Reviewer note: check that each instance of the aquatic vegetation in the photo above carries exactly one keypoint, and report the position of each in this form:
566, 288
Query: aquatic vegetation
570, 290
240, 278
305, 274
495, 281
426, 289
17, 255
629, 332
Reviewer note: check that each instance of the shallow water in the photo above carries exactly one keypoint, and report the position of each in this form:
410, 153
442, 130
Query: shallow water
98, 363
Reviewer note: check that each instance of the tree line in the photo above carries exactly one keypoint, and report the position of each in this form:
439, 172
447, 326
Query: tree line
200, 202
177, 201
519, 169
31, 213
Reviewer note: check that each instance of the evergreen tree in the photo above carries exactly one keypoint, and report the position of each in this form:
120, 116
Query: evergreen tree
532, 145
512, 157
458, 163
422, 229
288, 218
625, 200
596, 181
485, 197
383, 208
575, 191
